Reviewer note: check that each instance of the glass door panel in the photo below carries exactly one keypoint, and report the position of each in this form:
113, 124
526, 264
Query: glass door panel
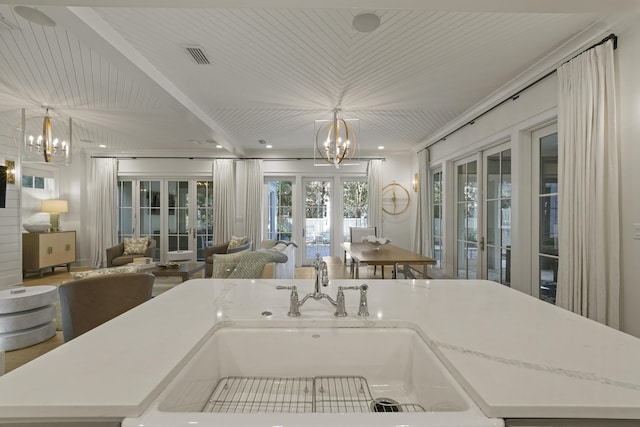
437, 218
498, 217
467, 220
354, 206
317, 227
279, 215
548, 215
149, 214
178, 215
204, 217
125, 210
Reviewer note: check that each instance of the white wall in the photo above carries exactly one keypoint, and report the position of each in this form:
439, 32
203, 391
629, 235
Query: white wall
628, 55
10, 220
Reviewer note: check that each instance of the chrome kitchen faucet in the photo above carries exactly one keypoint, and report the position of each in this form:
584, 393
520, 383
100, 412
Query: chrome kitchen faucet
322, 277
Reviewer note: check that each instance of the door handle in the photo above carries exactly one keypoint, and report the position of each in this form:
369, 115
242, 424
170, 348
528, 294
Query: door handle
481, 244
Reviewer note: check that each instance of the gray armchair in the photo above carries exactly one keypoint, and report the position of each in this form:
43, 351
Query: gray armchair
116, 256
89, 302
221, 248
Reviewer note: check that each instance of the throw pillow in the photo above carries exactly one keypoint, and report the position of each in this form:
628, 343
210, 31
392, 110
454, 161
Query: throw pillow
236, 241
251, 266
135, 246
224, 264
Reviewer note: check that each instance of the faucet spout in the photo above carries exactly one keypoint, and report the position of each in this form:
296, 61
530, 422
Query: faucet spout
322, 276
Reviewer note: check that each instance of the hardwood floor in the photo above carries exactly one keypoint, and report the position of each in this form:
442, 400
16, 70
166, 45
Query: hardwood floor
17, 358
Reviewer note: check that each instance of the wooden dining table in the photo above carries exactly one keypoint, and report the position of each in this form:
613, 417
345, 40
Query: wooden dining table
386, 254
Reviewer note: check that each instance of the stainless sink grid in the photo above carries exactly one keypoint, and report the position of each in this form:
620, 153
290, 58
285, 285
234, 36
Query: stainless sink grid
294, 395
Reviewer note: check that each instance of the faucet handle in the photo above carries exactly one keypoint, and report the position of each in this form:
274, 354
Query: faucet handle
294, 303
341, 310
363, 306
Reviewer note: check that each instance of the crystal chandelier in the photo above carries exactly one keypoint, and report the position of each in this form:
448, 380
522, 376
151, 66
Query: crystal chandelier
46, 139
335, 140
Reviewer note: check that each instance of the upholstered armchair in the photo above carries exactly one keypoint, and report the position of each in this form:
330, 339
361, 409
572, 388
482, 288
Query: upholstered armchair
116, 255
89, 302
222, 248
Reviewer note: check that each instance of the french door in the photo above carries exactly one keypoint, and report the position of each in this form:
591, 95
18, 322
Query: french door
545, 203
177, 214
467, 219
497, 214
318, 230
483, 216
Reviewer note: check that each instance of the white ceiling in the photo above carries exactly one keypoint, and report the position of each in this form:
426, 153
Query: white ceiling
124, 76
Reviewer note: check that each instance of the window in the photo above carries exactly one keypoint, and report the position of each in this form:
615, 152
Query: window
31, 181
437, 218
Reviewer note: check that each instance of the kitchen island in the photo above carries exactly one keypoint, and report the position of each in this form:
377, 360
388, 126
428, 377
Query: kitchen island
518, 358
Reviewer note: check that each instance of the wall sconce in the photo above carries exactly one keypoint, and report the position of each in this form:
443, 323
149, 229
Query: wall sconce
11, 171
414, 183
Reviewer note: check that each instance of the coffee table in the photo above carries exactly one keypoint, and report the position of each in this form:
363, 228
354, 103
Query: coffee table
184, 271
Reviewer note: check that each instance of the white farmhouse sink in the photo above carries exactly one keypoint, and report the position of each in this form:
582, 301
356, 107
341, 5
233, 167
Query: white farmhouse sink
262, 376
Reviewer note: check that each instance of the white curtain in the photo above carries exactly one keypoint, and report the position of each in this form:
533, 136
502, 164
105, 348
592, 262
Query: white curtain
374, 178
424, 215
103, 209
589, 240
224, 199
253, 217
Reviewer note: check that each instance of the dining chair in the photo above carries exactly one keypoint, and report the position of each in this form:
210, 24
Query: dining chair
356, 234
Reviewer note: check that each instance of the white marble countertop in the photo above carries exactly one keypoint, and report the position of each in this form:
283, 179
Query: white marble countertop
515, 356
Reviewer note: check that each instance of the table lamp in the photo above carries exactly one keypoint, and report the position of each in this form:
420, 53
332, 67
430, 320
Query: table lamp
54, 208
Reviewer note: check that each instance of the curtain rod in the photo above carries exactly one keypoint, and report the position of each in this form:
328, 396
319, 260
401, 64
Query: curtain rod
517, 94
268, 159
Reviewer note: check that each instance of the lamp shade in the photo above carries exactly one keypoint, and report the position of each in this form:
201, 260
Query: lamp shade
55, 206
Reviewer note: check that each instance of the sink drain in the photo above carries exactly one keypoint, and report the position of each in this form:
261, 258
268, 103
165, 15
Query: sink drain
384, 404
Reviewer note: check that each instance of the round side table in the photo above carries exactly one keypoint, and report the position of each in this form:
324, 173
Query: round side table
26, 316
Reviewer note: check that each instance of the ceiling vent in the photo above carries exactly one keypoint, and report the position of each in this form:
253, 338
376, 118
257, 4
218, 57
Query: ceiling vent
197, 54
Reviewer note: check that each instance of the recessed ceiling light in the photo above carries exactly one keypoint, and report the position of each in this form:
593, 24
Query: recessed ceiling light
218, 146
366, 22
269, 146
102, 146
380, 147
34, 15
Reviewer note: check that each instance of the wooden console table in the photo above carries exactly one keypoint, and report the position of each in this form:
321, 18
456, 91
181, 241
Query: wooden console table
48, 250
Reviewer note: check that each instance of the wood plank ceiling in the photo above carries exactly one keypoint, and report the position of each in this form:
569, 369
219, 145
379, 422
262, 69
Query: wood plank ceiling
126, 78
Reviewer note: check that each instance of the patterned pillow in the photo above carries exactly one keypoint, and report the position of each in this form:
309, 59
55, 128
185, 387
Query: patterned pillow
135, 246
236, 241
224, 264
251, 266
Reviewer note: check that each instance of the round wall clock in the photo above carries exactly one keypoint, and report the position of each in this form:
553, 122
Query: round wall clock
395, 198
